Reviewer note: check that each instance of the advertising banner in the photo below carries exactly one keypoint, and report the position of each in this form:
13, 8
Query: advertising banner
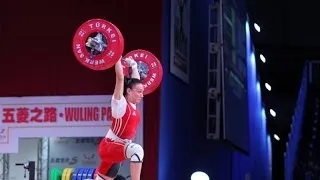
236, 107
54, 116
180, 39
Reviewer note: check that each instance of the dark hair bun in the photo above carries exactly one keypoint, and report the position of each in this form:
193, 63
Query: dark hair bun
126, 80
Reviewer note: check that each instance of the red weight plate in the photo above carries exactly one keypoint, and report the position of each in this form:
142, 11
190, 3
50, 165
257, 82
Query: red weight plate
150, 69
108, 40
121, 47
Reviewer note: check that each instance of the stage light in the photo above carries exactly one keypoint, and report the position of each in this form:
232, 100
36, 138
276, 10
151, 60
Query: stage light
273, 113
199, 176
276, 137
268, 87
257, 27
262, 58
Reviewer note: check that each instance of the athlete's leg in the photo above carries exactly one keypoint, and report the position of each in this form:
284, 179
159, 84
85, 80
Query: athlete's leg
135, 168
136, 154
110, 153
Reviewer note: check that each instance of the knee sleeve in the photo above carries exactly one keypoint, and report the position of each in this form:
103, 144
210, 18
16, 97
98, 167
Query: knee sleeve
134, 152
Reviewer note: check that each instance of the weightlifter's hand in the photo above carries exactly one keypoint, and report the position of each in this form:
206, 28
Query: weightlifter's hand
130, 62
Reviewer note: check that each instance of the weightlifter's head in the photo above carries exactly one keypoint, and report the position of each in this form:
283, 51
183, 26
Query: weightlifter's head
133, 90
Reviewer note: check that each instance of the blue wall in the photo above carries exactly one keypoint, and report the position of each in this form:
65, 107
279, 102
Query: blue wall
296, 126
183, 147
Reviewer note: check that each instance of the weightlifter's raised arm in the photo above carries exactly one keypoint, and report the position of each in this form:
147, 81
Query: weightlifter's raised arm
118, 90
118, 102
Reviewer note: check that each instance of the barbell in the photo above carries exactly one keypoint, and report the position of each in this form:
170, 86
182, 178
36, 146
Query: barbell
98, 45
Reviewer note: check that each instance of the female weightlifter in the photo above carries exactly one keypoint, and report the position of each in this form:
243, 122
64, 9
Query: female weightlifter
117, 145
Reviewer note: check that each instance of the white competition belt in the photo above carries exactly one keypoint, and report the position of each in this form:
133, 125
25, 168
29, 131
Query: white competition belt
113, 137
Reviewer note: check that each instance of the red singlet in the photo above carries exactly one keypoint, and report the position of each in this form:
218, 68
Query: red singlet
126, 127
